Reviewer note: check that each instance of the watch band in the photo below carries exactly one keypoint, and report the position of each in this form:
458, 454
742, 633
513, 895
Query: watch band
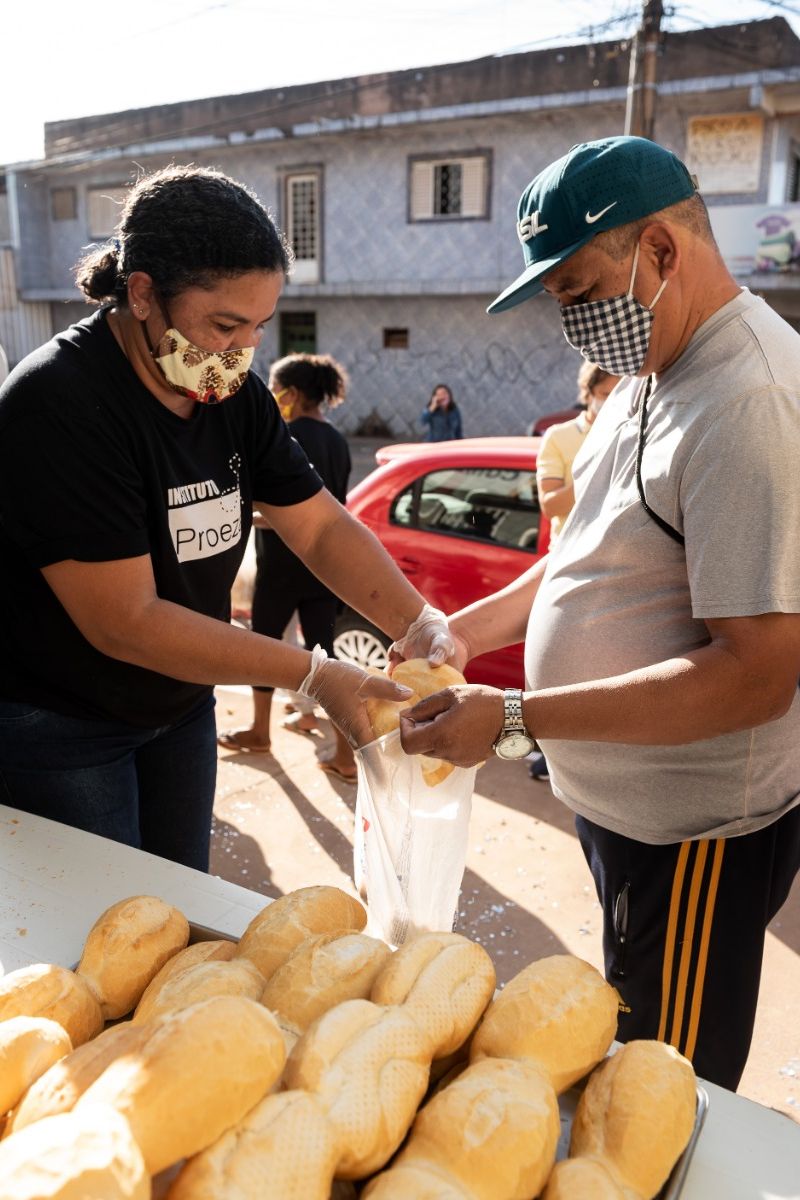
512, 711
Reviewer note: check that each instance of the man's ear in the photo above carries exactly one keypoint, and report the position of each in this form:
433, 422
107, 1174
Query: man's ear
660, 246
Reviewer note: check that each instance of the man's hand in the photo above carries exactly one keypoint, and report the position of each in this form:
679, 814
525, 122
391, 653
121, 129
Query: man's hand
459, 724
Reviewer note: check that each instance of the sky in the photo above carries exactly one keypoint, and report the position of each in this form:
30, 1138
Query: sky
63, 59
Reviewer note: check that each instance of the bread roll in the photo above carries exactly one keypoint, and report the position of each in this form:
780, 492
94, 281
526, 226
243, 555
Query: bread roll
584, 1179
28, 1047
284, 1149
60, 1088
494, 1131
279, 928
323, 971
559, 1011
444, 981
384, 715
425, 680
368, 1066
43, 990
196, 1074
89, 1155
415, 1181
206, 979
191, 956
636, 1114
126, 947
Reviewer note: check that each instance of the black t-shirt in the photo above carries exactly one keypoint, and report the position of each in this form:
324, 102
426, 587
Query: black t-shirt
93, 467
329, 453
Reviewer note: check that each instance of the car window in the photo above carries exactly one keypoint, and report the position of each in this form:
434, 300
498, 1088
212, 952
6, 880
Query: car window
492, 504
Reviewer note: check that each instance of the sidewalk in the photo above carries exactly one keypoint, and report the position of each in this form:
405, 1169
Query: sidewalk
281, 823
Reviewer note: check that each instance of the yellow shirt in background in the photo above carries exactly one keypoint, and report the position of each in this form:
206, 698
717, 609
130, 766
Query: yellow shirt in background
559, 446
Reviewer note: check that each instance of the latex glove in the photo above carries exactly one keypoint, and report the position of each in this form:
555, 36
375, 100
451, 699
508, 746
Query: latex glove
341, 688
428, 636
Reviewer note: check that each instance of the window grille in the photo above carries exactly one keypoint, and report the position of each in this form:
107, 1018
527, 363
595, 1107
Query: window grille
449, 188
302, 210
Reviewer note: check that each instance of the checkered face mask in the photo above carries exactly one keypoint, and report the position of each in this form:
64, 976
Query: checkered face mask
613, 334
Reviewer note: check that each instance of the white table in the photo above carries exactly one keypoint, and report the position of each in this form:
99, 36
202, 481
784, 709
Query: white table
55, 881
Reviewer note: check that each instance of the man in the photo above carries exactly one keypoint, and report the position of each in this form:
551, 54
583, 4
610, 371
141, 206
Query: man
663, 645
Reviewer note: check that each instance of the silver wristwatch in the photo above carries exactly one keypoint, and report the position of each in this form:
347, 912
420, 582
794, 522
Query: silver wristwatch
514, 741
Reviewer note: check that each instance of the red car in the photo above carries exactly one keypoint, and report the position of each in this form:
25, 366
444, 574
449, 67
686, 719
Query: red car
461, 520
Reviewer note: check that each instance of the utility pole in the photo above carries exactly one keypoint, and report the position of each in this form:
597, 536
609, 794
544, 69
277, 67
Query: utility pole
640, 106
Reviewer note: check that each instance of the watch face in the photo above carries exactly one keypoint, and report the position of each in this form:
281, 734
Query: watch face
514, 745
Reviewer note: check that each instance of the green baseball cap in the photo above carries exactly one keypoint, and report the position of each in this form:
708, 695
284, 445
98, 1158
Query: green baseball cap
596, 186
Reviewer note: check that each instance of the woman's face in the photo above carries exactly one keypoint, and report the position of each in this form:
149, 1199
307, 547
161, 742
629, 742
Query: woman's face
600, 393
230, 316
441, 397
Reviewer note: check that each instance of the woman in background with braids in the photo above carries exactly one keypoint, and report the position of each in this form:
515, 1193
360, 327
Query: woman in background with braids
305, 386
133, 449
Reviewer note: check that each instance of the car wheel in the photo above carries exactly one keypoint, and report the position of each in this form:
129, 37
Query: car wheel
356, 641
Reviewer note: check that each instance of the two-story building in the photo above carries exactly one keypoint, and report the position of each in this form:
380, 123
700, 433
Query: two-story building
398, 193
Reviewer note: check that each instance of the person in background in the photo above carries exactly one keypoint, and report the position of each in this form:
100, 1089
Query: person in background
662, 634
133, 449
305, 387
441, 417
562, 442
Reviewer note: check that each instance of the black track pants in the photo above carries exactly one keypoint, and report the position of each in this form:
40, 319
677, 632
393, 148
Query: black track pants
683, 935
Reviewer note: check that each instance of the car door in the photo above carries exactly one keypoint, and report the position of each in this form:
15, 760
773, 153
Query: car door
462, 532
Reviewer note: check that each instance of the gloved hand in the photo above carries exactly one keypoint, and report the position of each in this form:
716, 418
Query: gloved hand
341, 688
428, 636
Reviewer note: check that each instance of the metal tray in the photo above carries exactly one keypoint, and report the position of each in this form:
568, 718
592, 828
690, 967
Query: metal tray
673, 1188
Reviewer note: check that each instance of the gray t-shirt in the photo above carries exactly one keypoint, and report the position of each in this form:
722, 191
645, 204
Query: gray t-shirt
722, 465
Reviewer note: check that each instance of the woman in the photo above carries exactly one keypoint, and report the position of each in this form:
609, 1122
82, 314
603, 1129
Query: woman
441, 417
133, 447
562, 442
305, 386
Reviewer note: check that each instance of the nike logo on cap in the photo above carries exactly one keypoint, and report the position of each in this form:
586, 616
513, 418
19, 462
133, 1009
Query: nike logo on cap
592, 217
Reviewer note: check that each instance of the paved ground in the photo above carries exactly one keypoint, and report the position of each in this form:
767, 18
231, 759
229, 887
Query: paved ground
281, 823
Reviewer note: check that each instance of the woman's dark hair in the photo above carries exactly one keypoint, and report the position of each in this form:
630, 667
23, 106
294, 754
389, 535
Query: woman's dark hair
186, 227
450, 401
588, 378
317, 377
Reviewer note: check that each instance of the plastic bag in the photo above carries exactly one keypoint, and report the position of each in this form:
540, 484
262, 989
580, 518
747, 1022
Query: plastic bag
410, 846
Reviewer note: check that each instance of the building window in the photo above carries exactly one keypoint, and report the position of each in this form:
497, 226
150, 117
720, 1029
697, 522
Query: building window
395, 339
303, 225
455, 187
105, 205
64, 203
298, 333
793, 190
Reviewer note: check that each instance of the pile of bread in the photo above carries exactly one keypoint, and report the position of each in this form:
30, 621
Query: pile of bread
307, 1055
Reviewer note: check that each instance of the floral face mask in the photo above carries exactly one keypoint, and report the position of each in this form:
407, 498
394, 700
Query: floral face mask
208, 376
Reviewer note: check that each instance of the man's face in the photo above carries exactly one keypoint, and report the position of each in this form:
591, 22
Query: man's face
590, 274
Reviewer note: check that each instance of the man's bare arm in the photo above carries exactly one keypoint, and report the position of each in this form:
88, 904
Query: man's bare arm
745, 677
